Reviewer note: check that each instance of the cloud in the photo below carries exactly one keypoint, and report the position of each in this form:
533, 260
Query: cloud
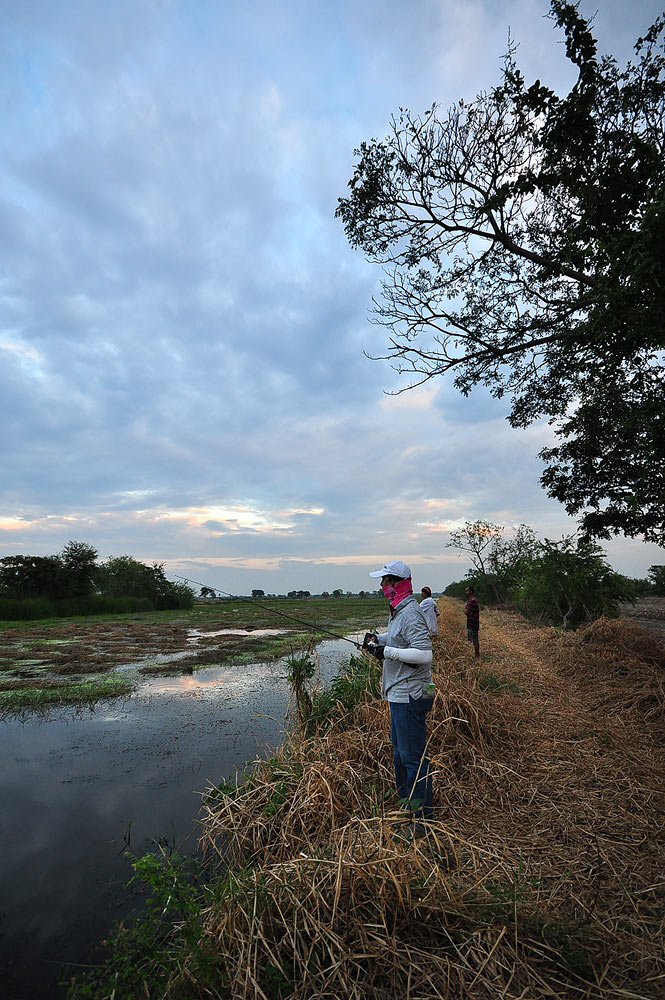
182, 321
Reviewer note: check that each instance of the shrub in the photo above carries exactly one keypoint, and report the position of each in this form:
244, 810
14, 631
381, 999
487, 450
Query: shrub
361, 675
29, 609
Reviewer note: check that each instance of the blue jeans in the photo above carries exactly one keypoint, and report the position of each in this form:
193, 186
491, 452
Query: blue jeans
408, 732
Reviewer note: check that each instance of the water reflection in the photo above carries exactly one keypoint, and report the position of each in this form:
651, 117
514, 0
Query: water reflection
193, 634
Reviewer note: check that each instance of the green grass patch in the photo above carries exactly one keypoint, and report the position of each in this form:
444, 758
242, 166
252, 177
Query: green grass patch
496, 685
166, 947
85, 692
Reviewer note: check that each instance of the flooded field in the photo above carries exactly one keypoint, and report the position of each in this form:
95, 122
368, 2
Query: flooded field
87, 654
83, 786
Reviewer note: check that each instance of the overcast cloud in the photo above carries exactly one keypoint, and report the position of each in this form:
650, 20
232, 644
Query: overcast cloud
182, 322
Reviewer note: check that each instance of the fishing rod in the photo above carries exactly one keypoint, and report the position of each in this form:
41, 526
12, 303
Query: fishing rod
265, 607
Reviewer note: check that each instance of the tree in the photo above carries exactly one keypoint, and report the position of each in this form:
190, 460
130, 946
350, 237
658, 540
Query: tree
523, 238
258, 593
509, 558
79, 563
68, 574
570, 582
31, 576
124, 576
476, 538
657, 578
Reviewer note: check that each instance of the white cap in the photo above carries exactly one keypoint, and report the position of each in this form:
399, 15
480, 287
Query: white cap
396, 568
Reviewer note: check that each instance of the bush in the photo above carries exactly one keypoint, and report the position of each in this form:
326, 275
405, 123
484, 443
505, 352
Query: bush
570, 582
97, 605
29, 609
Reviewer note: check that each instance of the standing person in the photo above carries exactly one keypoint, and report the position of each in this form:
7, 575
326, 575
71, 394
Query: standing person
430, 610
406, 684
472, 612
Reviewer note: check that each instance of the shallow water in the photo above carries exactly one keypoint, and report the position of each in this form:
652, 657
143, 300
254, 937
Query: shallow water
79, 786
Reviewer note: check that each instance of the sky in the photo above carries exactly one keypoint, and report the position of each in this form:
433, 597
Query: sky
182, 321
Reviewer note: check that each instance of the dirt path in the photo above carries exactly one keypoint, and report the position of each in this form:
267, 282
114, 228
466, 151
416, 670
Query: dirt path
649, 612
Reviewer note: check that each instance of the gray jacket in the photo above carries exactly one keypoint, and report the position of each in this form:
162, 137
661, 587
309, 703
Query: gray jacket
407, 630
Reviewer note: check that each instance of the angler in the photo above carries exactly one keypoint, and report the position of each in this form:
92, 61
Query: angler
406, 684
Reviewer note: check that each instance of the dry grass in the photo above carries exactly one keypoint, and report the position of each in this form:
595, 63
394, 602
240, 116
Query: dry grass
543, 875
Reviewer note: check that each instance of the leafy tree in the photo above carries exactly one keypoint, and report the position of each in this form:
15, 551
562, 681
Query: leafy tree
509, 558
79, 563
522, 235
638, 586
31, 576
477, 538
457, 588
207, 592
258, 593
657, 577
570, 582
124, 576
68, 574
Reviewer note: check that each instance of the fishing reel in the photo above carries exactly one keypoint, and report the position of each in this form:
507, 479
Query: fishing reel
371, 645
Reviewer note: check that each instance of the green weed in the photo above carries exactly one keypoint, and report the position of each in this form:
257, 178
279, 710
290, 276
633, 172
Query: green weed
85, 692
496, 685
150, 954
354, 680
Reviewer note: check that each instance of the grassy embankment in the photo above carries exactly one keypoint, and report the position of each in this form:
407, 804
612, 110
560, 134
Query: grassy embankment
542, 877
59, 661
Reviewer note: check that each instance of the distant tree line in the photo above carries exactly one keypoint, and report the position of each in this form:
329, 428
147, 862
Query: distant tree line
73, 582
295, 594
563, 583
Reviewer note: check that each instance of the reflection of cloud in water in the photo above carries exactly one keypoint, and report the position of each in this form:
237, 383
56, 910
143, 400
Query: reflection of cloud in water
195, 634
236, 681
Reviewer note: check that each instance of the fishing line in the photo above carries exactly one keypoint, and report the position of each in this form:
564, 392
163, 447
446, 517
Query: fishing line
255, 604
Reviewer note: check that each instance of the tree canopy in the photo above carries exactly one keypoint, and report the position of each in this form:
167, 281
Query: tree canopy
523, 237
565, 582
77, 584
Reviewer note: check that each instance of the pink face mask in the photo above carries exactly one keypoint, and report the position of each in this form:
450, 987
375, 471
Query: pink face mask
396, 592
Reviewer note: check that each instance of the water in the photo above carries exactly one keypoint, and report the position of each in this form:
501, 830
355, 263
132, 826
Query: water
79, 786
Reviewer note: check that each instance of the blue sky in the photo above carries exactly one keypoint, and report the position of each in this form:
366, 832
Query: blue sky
182, 322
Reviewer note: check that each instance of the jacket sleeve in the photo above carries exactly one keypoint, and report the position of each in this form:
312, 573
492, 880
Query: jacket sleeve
415, 656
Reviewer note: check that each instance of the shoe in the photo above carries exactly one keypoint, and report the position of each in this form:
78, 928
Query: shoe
407, 833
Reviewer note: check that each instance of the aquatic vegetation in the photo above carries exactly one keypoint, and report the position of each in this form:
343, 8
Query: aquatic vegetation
86, 691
